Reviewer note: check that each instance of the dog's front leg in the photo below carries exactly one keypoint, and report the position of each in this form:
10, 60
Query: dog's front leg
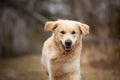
75, 76
50, 71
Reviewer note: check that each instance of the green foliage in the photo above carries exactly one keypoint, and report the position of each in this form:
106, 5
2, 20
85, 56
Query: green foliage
33, 35
48, 16
36, 35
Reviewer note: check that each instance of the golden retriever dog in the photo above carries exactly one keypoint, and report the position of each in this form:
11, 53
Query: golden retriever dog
61, 52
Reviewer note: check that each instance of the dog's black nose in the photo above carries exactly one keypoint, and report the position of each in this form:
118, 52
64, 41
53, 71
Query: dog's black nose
68, 42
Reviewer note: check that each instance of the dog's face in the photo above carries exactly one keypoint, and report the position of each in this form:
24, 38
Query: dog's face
67, 32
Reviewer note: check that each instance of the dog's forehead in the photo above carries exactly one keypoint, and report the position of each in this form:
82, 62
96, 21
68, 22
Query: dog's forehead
67, 25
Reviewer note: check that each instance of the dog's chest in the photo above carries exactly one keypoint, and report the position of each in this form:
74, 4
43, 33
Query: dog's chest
62, 66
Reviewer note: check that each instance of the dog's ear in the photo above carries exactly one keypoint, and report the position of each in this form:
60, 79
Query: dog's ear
50, 26
84, 28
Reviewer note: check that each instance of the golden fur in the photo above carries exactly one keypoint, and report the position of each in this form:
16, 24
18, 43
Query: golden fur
59, 64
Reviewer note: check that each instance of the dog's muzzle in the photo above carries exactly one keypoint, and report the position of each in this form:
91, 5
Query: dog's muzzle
67, 45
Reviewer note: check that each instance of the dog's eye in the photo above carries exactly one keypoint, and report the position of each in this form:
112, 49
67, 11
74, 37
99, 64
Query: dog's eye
63, 32
73, 32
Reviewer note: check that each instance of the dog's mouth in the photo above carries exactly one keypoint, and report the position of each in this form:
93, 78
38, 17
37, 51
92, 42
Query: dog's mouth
67, 48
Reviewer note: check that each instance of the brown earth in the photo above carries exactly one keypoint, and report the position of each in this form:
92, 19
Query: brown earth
29, 68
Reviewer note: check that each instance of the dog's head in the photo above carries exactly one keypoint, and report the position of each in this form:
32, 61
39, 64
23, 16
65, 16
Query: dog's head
67, 32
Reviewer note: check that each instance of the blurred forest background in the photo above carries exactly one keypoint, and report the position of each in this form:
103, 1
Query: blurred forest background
22, 36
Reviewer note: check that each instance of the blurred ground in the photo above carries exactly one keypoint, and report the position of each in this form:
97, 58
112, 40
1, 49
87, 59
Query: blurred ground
29, 68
